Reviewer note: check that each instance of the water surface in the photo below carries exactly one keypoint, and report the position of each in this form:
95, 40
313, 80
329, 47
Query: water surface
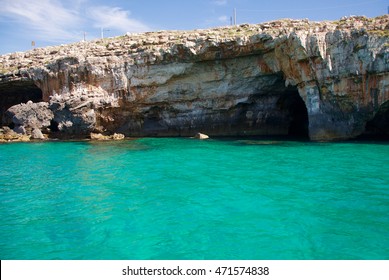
188, 199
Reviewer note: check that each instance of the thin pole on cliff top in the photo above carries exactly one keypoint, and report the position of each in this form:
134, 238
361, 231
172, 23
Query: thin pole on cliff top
102, 32
234, 16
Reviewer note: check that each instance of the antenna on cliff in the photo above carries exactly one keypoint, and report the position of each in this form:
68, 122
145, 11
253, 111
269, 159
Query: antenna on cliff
102, 32
234, 16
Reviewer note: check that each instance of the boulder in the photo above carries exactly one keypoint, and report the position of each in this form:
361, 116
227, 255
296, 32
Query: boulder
117, 136
101, 137
98, 136
76, 114
201, 136
30, 115
37, 134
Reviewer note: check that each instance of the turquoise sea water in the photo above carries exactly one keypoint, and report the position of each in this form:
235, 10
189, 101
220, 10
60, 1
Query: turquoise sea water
190, 199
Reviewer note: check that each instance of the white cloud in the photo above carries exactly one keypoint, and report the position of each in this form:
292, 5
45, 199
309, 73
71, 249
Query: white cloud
220, 2
114, 17
60, 21
43, 19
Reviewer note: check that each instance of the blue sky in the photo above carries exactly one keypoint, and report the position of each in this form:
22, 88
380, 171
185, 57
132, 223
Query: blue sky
54, 22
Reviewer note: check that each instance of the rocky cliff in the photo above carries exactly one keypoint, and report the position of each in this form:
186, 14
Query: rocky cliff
322, 80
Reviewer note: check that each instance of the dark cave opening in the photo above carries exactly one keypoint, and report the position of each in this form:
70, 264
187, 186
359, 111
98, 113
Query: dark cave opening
296, 112
16, 92
378, 127
275, 111
53, 126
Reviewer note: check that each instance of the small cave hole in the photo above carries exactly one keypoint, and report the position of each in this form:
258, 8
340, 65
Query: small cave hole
378, 127
54, 126
294, 106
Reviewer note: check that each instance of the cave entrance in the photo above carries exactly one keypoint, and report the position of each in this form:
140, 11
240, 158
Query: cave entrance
378, 127
16, 92
296, 115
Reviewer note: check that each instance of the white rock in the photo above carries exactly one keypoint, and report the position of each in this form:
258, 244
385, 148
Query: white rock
201, 136
37, 134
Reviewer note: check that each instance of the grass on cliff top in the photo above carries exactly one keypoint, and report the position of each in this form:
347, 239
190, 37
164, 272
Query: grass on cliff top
7, 70
380, 33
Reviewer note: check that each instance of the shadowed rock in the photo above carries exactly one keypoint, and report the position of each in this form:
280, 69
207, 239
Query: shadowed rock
30, 115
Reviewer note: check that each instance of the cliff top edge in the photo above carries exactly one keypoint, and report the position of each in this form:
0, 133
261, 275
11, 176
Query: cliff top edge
163, 40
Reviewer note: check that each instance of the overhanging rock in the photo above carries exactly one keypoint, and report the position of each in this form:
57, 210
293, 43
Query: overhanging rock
325, 79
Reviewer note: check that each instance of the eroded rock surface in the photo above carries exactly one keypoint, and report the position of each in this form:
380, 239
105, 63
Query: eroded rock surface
323, 80
30, 115
101, 137
8, 135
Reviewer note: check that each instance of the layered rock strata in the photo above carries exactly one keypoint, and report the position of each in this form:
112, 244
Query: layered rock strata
322, 80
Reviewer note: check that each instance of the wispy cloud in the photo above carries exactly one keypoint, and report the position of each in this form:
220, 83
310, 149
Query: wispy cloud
60, 21
220, 2
223, 19
114, 17
217, 21
46, 19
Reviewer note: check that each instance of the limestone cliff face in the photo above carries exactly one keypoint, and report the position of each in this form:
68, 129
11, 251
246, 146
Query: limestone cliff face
326, 80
